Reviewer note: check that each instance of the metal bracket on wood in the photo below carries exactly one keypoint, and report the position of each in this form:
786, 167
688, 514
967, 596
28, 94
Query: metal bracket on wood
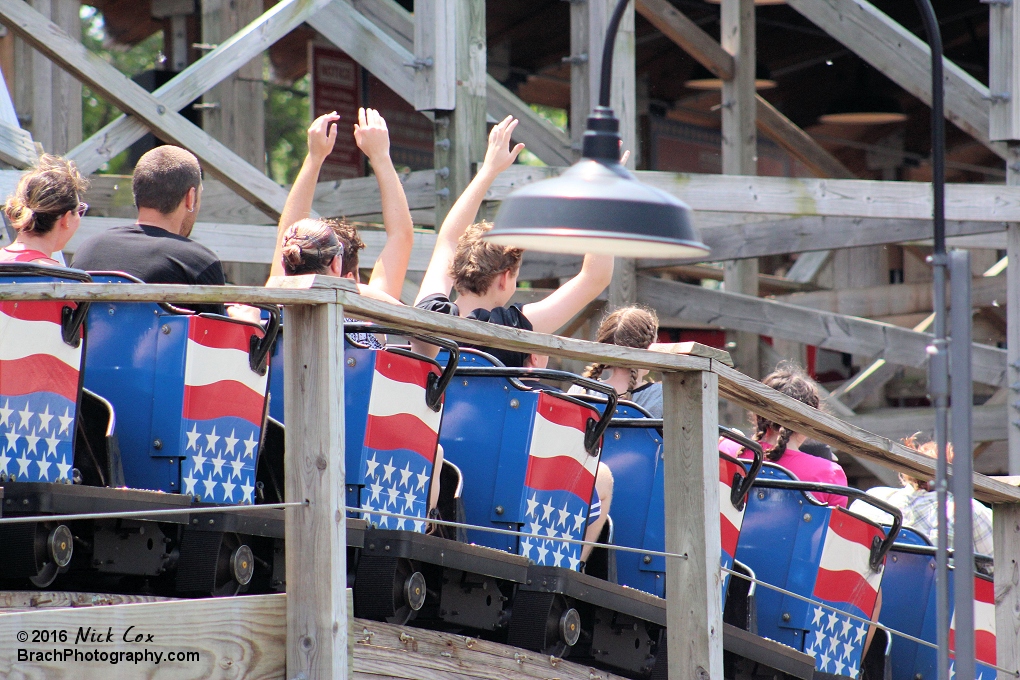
443, 144
443, 193
418, 64
205, 47
995, 97
205, 105
443, 172
576, 59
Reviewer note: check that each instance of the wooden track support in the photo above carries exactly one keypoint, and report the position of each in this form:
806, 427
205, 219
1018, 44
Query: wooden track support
314, 468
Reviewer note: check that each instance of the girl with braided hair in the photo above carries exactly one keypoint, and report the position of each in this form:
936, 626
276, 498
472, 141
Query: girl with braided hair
636, 327
781, 443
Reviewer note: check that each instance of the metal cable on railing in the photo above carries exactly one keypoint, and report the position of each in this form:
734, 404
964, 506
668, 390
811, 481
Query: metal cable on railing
657, 553
145, 514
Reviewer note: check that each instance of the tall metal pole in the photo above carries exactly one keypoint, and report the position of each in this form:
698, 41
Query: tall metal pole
938, 365
963, 481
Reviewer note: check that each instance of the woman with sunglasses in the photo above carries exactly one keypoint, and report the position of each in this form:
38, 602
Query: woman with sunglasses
45, 210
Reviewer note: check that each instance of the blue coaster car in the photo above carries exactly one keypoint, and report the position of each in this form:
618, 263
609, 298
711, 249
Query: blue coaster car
528, 454
826, 554
633, 451
393, 410
189, 391
908, 606
41, 348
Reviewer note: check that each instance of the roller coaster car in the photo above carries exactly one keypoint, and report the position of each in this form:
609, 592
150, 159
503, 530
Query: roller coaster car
189, 391
635, 643
394, 405
826, 554
908, 605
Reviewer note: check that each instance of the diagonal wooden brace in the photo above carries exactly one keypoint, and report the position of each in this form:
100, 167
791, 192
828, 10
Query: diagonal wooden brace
119, 90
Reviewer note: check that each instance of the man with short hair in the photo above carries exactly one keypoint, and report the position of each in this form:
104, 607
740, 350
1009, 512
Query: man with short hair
167, 187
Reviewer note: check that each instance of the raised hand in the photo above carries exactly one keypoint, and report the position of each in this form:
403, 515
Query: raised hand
371, 135
499, 156
322, 136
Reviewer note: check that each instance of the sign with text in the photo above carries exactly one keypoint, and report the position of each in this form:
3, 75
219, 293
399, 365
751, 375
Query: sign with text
336, 86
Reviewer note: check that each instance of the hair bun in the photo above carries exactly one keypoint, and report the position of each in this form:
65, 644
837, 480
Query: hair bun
292, 254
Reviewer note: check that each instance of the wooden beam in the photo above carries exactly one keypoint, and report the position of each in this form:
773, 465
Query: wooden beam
1013, 315
904, 58
808, 196
690, 37
898, 423
1006, 539
119, 90
197, 79
808, 265
435, 56
892, 300
798, 143
693, 586
542, 138
822, 329
1004, 72
314, 474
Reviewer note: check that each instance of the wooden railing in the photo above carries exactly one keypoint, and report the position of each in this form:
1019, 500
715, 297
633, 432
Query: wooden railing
316, 605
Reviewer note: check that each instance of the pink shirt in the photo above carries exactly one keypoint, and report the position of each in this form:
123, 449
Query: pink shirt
804, 467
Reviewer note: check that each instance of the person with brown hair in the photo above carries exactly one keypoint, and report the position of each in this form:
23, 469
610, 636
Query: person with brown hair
919, 503
636, 327
780, 443
372, 137
45, 210
485, 274
167, 187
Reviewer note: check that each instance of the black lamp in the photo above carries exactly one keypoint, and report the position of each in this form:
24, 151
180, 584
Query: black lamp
597, 205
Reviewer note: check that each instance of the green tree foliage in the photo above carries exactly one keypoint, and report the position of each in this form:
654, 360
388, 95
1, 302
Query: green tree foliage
287, 120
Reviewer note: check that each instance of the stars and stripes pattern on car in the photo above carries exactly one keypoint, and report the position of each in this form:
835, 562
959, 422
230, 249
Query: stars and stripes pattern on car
984, 622
845, 581
40, 381
559, 482
223, 411
401, 435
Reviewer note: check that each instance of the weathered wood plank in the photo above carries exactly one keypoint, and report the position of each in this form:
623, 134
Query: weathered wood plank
32, 600
808, 265
807, 196
690, 37
798, 143
905, 298
118, 89
904, 58
1006, 539
314, 473
16, 145
822, 329
542, 138
435, 56
239, 636
693, 586
990, 423
197, 79
1004, 72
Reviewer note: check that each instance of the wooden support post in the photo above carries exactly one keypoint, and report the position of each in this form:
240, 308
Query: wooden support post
693, 585
1013, 316
46, 96
740, 153
237, 115
316, 542
1003, 73
435, 56
461, 133
580, 63
1006, 539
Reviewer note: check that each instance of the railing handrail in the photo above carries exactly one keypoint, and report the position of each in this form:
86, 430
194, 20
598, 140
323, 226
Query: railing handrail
733, 385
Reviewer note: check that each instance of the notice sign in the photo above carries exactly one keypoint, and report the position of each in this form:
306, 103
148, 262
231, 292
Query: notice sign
336, 86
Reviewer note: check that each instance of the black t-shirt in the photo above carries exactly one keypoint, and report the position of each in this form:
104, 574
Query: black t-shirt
502, 316
153, 255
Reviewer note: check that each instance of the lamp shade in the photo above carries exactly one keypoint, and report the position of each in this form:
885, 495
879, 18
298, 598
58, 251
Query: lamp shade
597, 206
864, 109
703, 79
